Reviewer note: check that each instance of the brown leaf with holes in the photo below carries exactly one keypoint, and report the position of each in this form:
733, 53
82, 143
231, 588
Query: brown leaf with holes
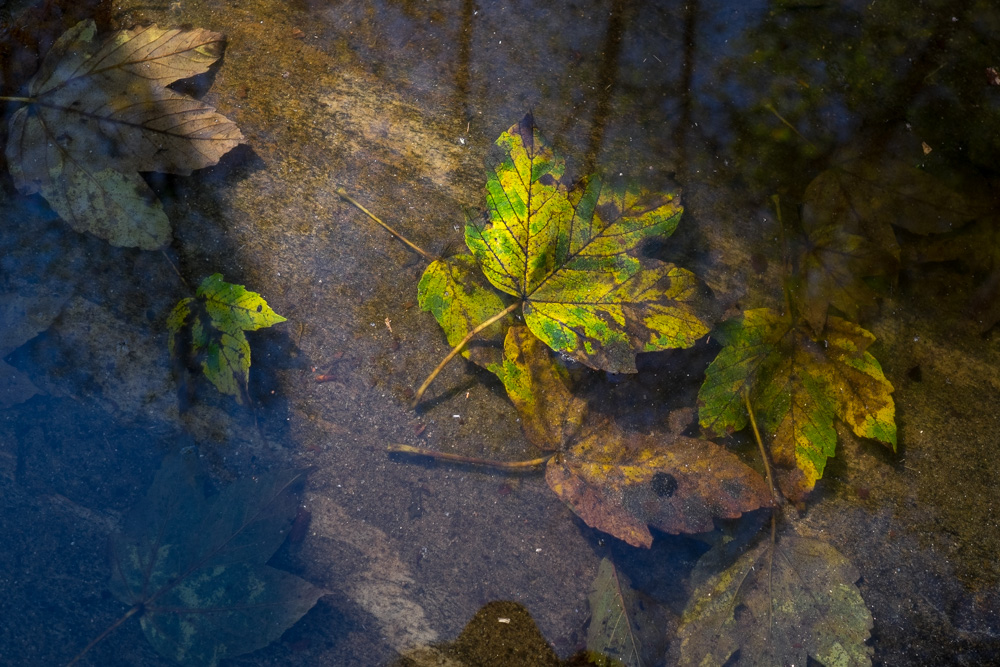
622, 483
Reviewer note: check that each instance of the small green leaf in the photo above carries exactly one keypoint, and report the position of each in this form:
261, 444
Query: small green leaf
233, 308
214, 321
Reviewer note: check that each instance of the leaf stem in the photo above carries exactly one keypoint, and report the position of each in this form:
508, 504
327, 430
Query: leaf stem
774, 519
458, 458
760, 445
458, 348
28, 100
174, 267
111, 628
426, 255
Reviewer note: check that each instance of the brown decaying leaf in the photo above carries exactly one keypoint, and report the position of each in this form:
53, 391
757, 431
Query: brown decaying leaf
621, 483
616, 482
101, 112
550, 413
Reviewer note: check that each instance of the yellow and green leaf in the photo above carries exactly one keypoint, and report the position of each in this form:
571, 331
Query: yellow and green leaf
207, 329
539, 387
798, 383
571, 256
455, 291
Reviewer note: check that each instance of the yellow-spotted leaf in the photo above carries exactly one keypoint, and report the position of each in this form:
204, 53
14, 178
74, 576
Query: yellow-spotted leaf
571, 257
616, 482
798, 383
455, 291
206, 331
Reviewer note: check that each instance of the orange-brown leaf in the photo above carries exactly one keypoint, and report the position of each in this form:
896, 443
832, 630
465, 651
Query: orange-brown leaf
621, 483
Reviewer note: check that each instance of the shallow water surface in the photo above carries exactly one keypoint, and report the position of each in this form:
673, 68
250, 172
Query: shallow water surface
824, 153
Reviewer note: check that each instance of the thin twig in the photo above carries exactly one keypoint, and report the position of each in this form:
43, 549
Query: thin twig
28, 100
786, 260
174, 267
458, 348
791, 127
458, 458
426, 255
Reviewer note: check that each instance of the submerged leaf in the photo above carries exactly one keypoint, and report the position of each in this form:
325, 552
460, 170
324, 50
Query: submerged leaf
798, 383
215, 319
777, 608
22, 317
194, 567
976, 246
833, 269
571, 256
868, 198
100, 112
616, 482
622, 628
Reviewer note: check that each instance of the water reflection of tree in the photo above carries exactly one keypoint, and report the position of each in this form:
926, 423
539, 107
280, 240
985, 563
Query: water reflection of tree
812, 77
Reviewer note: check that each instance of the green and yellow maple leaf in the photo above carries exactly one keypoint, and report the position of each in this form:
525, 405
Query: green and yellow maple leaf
799, 383
457, 293
569, 256
216, 318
